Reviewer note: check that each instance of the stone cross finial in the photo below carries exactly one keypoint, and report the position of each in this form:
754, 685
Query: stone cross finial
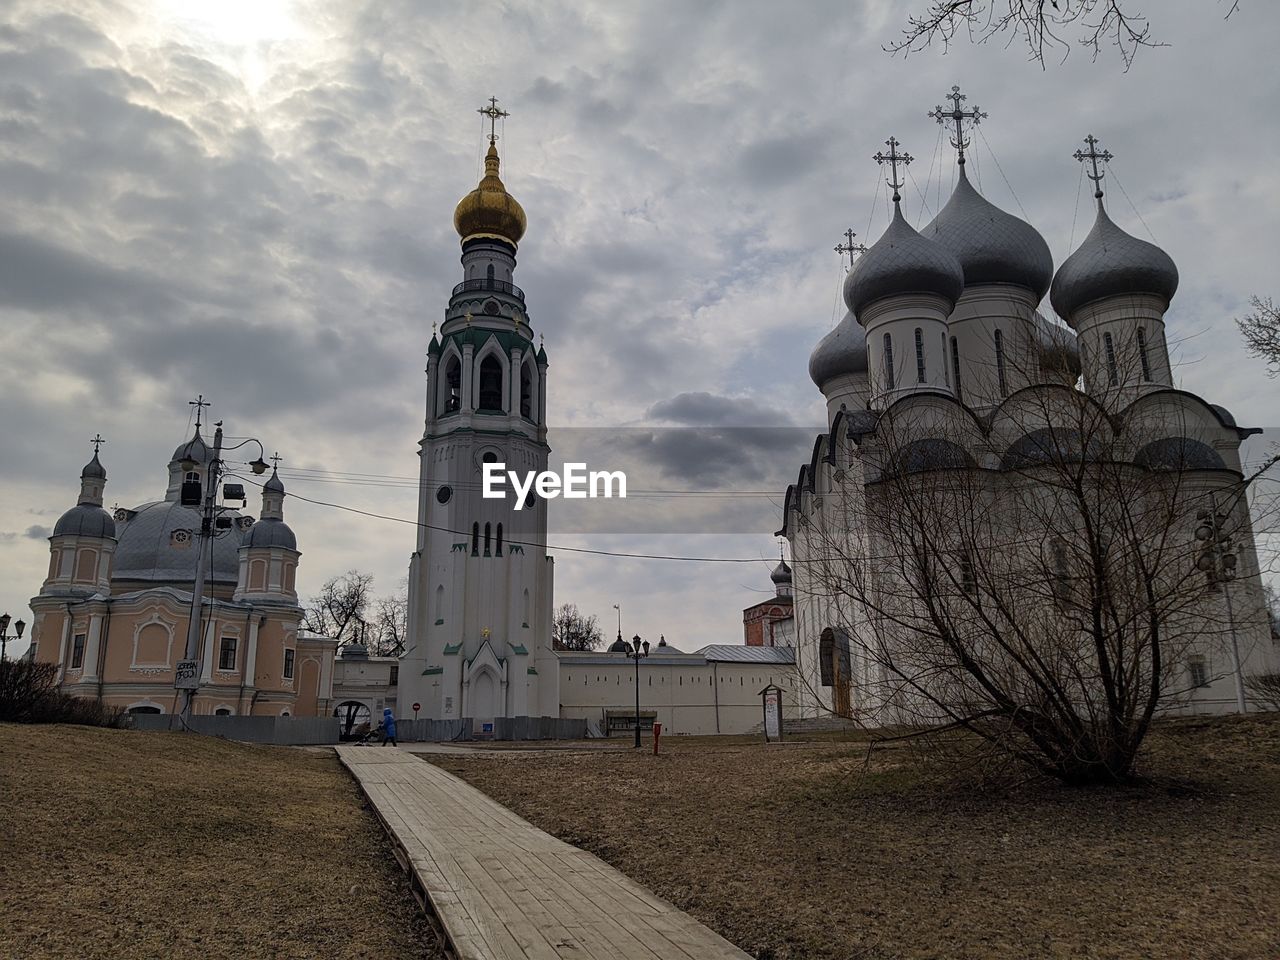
893, 158
493, 112
957, 116
1093, 156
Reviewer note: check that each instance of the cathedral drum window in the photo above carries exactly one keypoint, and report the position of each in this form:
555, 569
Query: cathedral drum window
444, 494
491, 384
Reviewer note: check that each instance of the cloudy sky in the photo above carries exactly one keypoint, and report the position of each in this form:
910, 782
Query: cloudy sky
252, 199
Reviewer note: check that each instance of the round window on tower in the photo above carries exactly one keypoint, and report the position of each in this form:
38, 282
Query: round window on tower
445, 493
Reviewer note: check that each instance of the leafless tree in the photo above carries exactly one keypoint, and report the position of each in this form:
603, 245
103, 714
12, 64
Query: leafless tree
390, 626
1261, 331
337, 611
1028, 585
572, 630
1040, 24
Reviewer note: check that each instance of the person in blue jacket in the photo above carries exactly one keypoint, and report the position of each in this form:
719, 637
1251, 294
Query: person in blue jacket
388, 727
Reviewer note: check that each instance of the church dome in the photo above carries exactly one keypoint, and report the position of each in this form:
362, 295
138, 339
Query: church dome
94, 470
842, 351
488, 211
159, 543
85, 520
991, 245
781, 573
194, 449
901, 262
1111, 262
270, 533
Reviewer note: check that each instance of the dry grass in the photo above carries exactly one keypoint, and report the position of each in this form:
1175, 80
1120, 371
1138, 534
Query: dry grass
124, 844
799, 850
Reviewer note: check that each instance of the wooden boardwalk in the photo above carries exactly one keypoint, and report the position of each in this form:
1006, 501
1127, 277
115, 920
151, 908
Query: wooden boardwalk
505, 890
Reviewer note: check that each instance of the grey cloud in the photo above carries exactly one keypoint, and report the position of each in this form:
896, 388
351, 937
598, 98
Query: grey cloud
37, 532
704, 409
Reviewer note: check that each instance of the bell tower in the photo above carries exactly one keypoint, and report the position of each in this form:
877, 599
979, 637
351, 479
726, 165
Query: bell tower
480, 580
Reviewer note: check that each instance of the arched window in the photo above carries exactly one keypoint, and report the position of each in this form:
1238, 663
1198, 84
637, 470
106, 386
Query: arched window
487, 538
946, 371
919, 355
475, 538
491, 384
955, 369
888, 362
453, 381
498, 551
440, 603
192, 477
526, 607
1142, 355
1000, 377
1113, 374
489, 275
526, 391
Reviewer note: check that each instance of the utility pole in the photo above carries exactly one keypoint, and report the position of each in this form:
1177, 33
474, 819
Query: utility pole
188, 674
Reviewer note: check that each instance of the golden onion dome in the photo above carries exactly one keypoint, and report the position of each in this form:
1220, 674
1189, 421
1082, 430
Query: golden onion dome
489, 211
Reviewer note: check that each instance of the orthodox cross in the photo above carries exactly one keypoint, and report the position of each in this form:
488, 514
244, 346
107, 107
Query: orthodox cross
97, 442
849, 246
1093, 156
494, 113
199, 403
275, 460
957, 116
893, 158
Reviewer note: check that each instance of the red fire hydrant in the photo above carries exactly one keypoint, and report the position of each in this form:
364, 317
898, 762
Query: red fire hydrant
657, 732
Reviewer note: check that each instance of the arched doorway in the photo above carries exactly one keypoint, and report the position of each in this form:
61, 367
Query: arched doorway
354, 719
833, 659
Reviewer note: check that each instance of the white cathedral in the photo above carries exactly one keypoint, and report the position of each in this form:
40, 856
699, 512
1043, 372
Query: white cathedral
945, 376
480, 580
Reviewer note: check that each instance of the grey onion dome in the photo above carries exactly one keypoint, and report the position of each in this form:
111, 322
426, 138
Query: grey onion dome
1111, 262
900, 262
781, 573
94, 470
842, 351
270, 533
274, 485
991, 245
85, 520
194, 449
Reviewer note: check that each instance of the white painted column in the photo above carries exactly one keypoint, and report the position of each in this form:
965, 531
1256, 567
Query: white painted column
206, 672
62, 646
91, 644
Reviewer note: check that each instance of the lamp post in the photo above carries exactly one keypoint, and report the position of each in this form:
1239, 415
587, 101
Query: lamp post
635, 650
208, 529
18, 627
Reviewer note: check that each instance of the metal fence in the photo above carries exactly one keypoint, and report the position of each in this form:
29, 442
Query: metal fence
538, 728
286, 731
433, 731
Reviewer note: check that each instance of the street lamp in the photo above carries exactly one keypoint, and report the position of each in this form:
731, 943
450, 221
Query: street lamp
187, 676
635, 650
18, 627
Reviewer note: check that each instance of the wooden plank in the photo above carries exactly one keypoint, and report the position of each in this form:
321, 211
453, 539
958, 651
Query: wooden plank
504, 890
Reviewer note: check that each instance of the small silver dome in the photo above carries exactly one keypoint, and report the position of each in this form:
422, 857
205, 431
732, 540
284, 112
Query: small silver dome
94, 470
781, 573
902, 261
85, 520
991, 245
842, 351
1111, 262
194, 449
274, 485
270, 533
160, 542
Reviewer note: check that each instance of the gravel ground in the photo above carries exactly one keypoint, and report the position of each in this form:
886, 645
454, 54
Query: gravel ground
121, 844
806, 850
